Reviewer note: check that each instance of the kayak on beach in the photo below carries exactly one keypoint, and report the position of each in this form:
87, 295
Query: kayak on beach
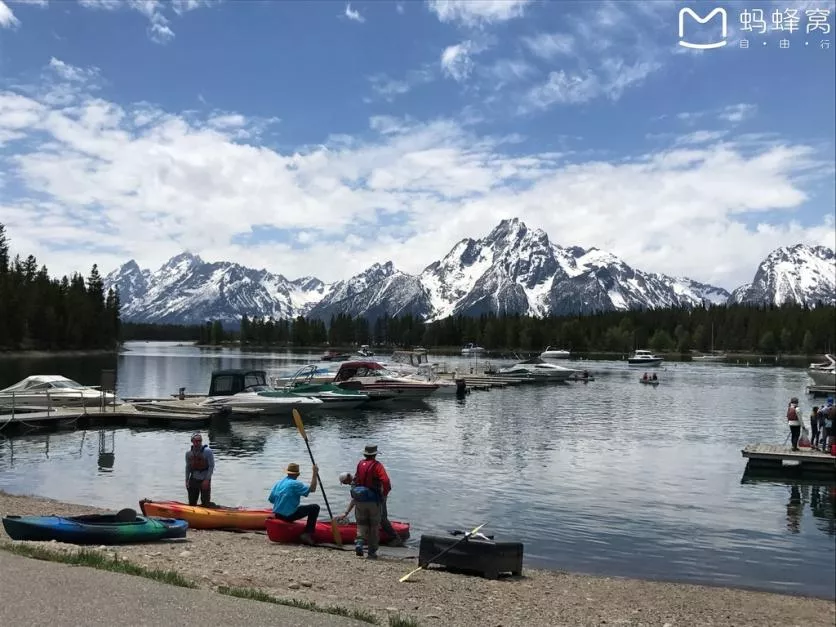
94, 528
288, 533
199, 517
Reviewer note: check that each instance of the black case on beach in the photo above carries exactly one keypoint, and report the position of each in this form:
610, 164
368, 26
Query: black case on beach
484, 557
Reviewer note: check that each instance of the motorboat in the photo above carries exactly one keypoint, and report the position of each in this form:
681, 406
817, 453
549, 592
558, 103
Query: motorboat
472, 349
53, 390
413, 365
365, 351
371, 378
555, 353
823, 374
247, 390
335, 356
304, 383
644, 358
537, 368
420, 350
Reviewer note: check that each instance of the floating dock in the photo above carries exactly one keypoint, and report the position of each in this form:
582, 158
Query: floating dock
775, 457
821, 390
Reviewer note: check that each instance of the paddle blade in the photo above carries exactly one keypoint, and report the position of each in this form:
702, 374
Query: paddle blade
335, 530
409, 574
297, 420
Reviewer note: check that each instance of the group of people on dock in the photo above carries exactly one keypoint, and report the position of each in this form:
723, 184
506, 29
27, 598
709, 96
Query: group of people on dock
822, 421
369, 489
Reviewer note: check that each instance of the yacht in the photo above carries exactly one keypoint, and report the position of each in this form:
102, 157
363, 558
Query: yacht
537, 368
824, 374
472, 349
644, 358
51, 390
554, 353
372, 379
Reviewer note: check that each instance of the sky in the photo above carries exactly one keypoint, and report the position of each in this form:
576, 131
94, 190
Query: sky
316, 138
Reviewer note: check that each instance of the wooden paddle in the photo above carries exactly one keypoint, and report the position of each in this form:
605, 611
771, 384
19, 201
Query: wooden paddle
434, 558
297, 419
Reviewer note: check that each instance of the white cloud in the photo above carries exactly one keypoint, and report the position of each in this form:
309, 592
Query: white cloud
353, 14
7, 18
456, 61
159, 29
550, 45
72, 73
506, 71
738, 112
389, 88
103, 183
477, 12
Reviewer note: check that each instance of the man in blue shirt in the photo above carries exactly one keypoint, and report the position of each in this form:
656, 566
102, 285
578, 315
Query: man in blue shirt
285, 497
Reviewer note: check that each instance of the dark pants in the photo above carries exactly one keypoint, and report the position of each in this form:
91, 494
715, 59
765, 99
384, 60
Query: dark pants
385, 524
814, 432
311, 511
195, 488
794, 433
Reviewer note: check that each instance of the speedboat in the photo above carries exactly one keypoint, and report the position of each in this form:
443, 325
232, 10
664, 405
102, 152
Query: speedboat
365, 351
554, 353
472, 349
710, 357
335, 356
644, 358
50, 390
238, 389
537, 368
371, 378
824, 374
303, 383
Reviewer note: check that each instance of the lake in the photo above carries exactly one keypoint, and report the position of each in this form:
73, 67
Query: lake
609, 477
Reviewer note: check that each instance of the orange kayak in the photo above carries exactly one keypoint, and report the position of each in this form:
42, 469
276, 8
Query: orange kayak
200, 517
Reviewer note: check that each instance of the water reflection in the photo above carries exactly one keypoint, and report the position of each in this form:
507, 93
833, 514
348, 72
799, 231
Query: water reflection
817, 494
107, 450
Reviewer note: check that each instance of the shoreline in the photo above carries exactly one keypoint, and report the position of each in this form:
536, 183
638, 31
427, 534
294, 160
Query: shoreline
44, 354
323, 576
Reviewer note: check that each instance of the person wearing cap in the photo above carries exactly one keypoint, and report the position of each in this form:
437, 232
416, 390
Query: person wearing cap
200, 464
286, 496
369, 491
794, 422
829, 434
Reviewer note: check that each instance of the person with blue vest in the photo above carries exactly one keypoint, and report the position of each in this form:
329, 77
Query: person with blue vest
286, 496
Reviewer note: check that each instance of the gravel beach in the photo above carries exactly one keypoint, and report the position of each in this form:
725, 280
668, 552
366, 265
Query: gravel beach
332, 577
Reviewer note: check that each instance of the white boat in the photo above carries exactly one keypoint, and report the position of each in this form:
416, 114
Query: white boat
472, 349
823, 374
713, 355
304, 383
555, 353
644, 358
365, 351
536, 367
52, 390
248, 390
371, 378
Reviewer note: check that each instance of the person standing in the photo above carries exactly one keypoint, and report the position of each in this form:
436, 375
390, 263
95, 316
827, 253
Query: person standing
286, 495
385, 524
794, 422
814, 427
369, 491
200, 465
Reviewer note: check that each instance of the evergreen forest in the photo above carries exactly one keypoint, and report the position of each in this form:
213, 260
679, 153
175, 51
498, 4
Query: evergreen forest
38, 312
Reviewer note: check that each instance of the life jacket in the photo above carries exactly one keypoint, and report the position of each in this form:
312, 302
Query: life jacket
367, 486
792, 413
197, 460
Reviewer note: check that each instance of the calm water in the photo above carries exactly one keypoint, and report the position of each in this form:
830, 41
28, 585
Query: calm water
609, 477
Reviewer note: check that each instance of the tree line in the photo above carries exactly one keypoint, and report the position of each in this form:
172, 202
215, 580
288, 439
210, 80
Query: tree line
737, 328
38, 312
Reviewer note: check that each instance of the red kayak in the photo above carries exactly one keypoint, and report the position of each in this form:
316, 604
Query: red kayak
288, 533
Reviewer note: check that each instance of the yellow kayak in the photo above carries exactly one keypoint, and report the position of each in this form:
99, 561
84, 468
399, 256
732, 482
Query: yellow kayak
200, 517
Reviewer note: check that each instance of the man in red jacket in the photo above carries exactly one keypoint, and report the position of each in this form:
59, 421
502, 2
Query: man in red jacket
371, 487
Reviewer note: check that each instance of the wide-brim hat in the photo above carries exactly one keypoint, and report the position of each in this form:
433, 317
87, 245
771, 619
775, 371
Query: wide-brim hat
293, 469
370, 450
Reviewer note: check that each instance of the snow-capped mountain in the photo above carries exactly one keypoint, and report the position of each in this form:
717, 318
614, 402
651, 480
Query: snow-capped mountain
513, 269
797, 274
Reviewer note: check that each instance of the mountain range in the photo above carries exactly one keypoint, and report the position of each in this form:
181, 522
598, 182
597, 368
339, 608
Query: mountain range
513, 269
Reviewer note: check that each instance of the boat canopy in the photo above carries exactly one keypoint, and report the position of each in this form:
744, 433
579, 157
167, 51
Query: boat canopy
229, 382
44, 382
351, 369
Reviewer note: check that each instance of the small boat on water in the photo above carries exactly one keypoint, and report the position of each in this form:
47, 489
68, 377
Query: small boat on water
823, 373
199, 517
365, 351
555, 353
649, 381
537, 368
580, 377
124, 527
644, 358
236, 389
51, 390
372, 379
472, 349
288, 533
335, 356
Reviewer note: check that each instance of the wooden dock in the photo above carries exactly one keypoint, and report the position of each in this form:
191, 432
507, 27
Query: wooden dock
113, 414
821, 390
776, 457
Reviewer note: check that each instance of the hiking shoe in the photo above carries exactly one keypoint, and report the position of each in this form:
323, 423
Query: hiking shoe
358, 550
305, 538
371, 556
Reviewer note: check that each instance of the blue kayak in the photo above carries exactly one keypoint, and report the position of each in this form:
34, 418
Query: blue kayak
122, 528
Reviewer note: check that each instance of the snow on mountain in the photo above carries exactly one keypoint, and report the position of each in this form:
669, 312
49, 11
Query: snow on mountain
801, 274
513, 269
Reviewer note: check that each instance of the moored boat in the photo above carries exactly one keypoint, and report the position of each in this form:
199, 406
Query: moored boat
248, 390
199, 517
335, 356
555, 353
537, 368
288, 533
333, 396
472, 349
644, 358
124, 527
823, 374
372, 379
51, 390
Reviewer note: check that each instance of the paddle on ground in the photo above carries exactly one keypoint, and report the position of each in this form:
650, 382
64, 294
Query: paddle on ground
434, 558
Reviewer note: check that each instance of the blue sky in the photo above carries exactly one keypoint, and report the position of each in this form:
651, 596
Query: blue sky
320, 137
